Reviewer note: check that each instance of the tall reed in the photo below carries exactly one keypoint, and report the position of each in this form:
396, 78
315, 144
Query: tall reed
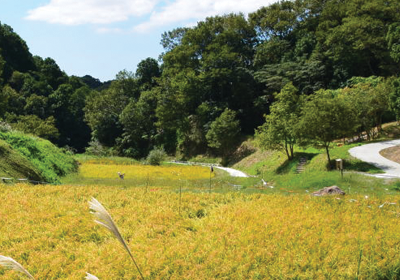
104, 219
9, 263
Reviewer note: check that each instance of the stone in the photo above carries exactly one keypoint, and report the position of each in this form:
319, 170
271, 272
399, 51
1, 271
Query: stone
332, 190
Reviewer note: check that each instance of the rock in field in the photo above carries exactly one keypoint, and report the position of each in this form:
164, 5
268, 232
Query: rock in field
333, 190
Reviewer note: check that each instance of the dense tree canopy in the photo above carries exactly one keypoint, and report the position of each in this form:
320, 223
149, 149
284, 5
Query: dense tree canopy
263, 64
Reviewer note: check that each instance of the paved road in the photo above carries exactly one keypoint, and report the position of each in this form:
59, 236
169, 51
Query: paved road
370, 153
233, 172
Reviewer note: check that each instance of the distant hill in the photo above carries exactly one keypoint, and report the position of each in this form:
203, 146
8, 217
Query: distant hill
35, 93
94, 83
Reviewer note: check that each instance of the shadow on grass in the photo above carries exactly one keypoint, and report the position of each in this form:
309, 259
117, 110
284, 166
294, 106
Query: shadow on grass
289, 166
397, 187
355, 165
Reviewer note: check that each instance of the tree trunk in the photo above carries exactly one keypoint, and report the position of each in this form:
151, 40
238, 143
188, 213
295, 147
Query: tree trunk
328, 156
379, 124
291, 151
287, 151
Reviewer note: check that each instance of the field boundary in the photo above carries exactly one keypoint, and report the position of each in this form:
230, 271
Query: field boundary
196, 163
21, 180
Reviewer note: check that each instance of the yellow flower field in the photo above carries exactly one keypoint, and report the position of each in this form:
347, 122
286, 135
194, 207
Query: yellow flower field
49, 230
95, 170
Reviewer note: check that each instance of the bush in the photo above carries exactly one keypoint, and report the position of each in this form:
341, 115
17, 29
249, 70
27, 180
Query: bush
97, 149
5, 127
156, 156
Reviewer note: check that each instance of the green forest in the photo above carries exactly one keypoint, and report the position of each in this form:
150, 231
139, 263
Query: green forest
298, 72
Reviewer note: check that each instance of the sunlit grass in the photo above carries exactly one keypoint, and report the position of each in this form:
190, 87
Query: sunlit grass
217, 236
88, 170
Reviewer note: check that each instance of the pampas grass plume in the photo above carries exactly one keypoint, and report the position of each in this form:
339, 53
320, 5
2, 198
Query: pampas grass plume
90, 277
8, 262
104, 219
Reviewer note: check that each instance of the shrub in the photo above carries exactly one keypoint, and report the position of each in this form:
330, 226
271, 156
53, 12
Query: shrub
96, 149
156, 156
5, 127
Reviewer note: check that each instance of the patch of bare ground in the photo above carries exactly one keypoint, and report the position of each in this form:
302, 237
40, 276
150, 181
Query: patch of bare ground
392, 153
244, 150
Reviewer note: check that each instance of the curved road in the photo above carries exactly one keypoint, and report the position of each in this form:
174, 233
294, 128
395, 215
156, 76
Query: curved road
370, 153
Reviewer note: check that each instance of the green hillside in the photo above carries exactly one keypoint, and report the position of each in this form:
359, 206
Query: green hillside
33, 158
14, 165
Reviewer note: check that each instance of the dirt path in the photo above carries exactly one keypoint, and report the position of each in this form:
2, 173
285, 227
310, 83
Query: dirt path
370, 153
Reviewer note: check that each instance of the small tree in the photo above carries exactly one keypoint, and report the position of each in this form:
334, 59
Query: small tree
369, 99
280, 128
223, 131
326, 116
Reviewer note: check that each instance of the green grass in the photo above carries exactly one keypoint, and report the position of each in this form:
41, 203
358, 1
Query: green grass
284, 184
274, 168
48, 160
319, 159
14, 165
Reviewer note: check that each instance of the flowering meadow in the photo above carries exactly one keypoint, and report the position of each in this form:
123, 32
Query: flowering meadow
49, 230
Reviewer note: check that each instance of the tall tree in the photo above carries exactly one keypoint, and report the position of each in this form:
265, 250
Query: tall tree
280, 130
14, 51
138, 120
326, 116
223, 131
147, 73
102, 112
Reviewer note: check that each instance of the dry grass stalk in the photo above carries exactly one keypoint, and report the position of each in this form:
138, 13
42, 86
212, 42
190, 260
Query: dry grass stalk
104, 219
9, 263
90, 277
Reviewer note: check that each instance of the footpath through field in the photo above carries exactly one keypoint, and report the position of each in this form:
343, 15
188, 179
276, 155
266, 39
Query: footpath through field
231, 171
370, 153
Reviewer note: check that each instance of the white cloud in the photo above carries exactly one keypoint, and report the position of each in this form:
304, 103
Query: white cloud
75, 12
106, 30
158, 12
189, 10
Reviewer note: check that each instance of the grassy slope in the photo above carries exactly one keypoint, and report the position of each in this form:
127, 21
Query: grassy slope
14, 165
33, 158
274, 167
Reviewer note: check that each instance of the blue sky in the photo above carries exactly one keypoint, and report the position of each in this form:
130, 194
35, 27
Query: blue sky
102, 37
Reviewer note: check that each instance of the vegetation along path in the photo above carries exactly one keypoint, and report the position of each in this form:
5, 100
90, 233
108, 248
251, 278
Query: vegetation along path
370, 153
